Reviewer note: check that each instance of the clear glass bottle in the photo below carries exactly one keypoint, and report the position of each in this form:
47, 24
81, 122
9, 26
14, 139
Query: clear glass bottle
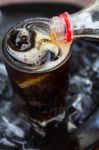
84, 23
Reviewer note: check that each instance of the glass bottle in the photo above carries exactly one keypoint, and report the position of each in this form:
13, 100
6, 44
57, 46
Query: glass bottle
84, 23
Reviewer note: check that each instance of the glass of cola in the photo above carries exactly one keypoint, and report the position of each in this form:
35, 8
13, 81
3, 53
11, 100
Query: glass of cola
38, 70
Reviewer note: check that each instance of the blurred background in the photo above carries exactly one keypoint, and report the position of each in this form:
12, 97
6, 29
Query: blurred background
79, 2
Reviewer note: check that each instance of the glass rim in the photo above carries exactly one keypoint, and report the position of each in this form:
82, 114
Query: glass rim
7, 58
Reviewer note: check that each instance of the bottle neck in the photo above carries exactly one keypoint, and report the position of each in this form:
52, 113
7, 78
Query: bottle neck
86, 23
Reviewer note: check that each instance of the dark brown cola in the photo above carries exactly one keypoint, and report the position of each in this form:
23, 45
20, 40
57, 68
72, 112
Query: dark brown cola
40, 87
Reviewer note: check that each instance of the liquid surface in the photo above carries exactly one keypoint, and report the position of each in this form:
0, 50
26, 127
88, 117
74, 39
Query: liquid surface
30, 45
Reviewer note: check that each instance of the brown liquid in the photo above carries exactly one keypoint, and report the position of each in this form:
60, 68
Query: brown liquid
44, 94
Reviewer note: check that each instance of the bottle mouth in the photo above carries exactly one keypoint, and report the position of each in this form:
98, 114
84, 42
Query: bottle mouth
57, 29
61, 29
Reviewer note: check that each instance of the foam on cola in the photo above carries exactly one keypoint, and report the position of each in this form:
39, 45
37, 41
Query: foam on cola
30, 44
